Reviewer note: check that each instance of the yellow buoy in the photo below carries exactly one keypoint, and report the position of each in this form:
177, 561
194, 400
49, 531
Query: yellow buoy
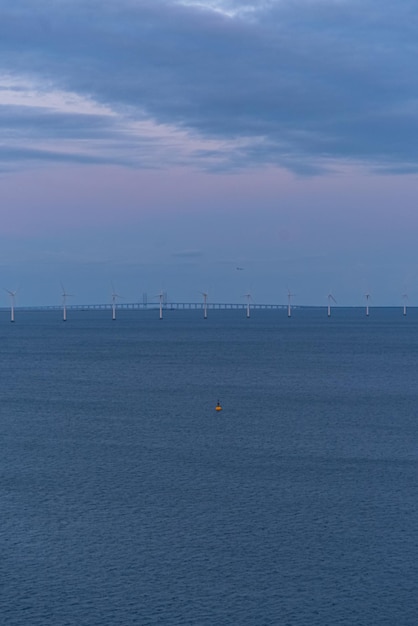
218, 407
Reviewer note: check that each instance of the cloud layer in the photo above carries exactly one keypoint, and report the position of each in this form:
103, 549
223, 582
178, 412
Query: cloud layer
302, 84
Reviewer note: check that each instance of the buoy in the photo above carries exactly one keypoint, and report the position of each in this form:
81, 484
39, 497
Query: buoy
218, 407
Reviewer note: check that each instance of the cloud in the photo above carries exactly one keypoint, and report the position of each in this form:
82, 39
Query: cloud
302, 84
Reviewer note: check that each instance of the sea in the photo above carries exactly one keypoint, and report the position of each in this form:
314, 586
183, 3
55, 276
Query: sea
125, 498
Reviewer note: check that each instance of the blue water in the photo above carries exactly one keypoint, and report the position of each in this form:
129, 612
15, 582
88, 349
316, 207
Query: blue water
126, 499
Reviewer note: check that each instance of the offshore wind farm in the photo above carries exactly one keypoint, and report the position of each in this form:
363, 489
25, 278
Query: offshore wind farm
161, 302
163, 305
207, 302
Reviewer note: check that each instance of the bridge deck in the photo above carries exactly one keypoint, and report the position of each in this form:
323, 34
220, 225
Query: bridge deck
167, 306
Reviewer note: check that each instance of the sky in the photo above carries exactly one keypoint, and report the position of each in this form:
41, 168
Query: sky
159, 145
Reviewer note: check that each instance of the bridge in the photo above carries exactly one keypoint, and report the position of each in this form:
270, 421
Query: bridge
144, 306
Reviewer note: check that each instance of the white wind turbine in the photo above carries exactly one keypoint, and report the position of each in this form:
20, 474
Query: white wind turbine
248, 296
205, 304
405, 299
289, 300
367, 296
12, 295
114, 297
65, 295
330, 299
160, 296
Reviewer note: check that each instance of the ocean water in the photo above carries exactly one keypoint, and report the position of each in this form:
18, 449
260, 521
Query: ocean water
126, 499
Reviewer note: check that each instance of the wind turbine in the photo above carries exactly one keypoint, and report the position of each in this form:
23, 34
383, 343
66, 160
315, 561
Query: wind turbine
114, 296
330, 298
404, 298
65, 295
160, 296
12, 295
205, 304
289, 297
248, 296
367, 296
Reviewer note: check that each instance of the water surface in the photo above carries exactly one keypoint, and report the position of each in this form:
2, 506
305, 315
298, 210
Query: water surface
126, 499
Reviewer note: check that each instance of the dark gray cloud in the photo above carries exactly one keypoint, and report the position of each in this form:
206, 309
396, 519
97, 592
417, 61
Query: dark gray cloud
298, 83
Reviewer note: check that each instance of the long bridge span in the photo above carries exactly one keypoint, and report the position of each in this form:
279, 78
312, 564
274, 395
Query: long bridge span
166, 306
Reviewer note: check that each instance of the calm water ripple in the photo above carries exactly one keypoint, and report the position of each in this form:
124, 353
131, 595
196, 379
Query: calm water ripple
126, 499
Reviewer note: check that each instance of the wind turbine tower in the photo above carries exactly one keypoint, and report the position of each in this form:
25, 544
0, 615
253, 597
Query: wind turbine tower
405, 299
248, 296
114, 296
161, 299
205, 305
65, 295
367, 296
330, 298
289, 300
12, 295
